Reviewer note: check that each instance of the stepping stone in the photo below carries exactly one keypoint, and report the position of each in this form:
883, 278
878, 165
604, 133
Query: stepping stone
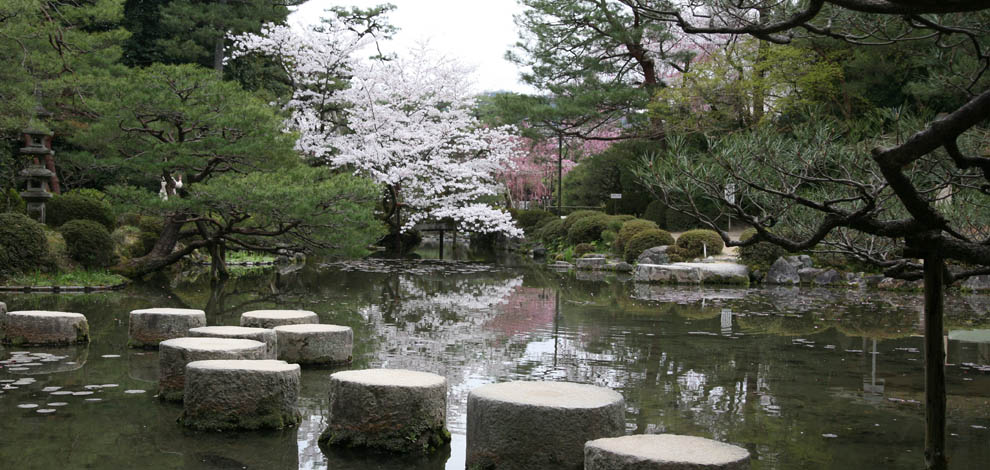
537, 425
273, 318
38, 327
388, 409
150, 326
315, 344
227, 395
264, 335
174, 354
663, 452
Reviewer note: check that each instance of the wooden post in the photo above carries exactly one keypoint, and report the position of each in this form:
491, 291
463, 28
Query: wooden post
441, 243
935, 402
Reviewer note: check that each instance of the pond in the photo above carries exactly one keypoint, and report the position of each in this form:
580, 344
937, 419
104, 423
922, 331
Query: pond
802, 378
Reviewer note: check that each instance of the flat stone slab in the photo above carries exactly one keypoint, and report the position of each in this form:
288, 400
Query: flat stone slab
226, 395
693, 273
175, 354
663, 452
273, 318
150, 326
389, 409
315, 343
264, 335
41, 327
537, 425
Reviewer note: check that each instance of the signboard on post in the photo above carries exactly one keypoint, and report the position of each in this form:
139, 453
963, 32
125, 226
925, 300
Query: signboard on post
616, 196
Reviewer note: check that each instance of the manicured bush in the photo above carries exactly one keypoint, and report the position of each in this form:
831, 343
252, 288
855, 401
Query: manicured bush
656, 211
582, 249
61, 209
587, 229
528, 220
615, 221
23, 245
575, 216
131, 242
609, 236
693, 243
88, 243
645, 240
761, 255
552, 231
631, 229
13, 202
58, 251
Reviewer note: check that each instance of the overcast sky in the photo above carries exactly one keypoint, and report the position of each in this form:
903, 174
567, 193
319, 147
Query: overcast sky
476, 32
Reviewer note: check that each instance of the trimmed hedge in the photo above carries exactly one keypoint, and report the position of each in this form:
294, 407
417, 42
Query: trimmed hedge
61, 209
582, 249
551, 231
615, 222
645, 240
529, 220
587, 229
656, 211
575, 216
13, 202
691, 244
760, 255
631, 229
23, 244
88, 243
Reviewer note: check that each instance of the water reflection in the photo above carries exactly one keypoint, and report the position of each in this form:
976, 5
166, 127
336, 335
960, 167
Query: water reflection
803, 378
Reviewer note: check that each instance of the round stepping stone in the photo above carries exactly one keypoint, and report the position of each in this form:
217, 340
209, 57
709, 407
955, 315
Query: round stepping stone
663, 452
535, 425
389, 409
315, 344
150, 326
264, 335
39, 327
273, 318
227, 395
174, 354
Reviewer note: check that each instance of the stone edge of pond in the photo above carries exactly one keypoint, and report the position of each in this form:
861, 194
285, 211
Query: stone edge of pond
62, 289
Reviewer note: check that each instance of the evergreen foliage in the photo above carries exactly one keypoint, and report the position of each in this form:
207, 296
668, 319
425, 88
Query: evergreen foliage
645, 240
695, 243
88, 242
73, 206
629, 230
23, 245
587, 229
760, 255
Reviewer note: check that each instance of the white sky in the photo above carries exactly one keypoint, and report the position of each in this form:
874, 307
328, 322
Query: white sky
475, 32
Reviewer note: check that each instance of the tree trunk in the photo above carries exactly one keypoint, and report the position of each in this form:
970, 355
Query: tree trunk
935, 402
218, 49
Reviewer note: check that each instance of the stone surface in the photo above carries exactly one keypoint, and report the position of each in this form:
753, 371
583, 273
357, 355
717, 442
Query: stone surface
539, 425
148, 327
539, 252
561, 265
655, 255
977, 283
693, 273
590, 262
829, 277
808, 275
663, 452
782, 272
622, 267
388, 409
45, 328
273, 318
223, 395
315, 344
800, 261
174, 354
263, 335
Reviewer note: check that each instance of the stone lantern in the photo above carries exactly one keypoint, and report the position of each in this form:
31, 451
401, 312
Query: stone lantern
37, 176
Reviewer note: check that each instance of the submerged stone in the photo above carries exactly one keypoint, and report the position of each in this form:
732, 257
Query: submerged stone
39, 327
222, 395
175, 354
148, 327
315, 344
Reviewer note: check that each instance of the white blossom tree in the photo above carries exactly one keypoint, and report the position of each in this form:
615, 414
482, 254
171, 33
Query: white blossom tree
407, 123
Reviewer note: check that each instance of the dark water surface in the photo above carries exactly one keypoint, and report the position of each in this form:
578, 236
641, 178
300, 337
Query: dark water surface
803, 378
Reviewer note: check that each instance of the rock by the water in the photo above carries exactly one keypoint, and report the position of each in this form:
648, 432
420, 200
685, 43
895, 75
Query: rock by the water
273, 318
808, 275
148, 327
622, 267
314, 343
655, 255
561, 265
175, 354
539, 252
830, 277
663, 452
40, 327
693, 273
800, 261
782, 272
387, 409
264, 335
590, 262
977, 283
227, 395
539, 425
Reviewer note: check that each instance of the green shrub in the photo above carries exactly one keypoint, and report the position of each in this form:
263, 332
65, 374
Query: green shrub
131, 242
678, 222
587, 229
761, 255
23, 244
645, 240
656, 211
552, 231
57, 250
89, 193
609, 236
148, 241
61, 209
528, 220
693, 243
631, 229
575, 216
13, 202
151, 224
88, 243
582, 249
615, 221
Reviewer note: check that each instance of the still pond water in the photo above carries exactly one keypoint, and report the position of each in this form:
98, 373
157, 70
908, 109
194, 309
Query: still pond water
803, 378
